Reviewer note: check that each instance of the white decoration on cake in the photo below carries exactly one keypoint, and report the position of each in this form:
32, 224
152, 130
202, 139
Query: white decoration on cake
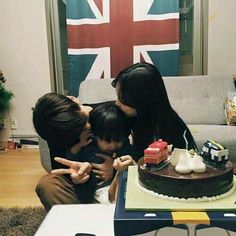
183, 166
197, 164
176, 154
185, 139
185, 163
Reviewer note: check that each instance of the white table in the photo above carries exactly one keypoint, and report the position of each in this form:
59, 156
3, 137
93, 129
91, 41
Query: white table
68, 220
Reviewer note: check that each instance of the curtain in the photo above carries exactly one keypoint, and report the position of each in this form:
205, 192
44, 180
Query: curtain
105, 36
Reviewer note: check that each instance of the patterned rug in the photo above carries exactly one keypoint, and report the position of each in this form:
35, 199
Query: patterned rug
20, 221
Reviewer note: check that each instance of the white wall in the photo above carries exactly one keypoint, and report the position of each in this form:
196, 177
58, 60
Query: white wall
222, 37
24, 58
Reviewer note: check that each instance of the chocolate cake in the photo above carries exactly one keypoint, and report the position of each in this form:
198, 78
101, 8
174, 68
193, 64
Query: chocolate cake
168, 182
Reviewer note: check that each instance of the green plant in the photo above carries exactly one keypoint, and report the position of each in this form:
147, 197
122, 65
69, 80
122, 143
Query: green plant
5, 95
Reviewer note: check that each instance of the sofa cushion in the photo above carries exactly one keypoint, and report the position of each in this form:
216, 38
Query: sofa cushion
96, 91
199, 99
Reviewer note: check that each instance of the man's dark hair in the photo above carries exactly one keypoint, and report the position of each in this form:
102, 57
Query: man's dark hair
58, 120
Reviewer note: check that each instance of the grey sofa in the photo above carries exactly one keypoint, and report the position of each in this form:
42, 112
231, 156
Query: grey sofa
199, 100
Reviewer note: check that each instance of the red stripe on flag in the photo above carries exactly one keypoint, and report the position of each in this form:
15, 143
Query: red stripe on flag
143, 33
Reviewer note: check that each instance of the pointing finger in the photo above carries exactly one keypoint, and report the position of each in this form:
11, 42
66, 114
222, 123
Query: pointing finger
61, 171
63, 161
67, 162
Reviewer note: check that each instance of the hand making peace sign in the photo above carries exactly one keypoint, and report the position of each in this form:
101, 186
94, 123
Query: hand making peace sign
78, 171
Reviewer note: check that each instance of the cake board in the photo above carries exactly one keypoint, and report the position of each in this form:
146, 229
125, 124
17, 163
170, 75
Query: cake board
138, 200
129, 222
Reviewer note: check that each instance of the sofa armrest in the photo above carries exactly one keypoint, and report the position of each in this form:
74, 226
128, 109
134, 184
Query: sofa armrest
44, 154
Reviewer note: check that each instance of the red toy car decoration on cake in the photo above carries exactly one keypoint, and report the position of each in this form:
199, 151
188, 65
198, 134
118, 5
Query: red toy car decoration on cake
156, 152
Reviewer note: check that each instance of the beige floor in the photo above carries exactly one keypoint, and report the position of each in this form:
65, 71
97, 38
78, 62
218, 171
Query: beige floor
20, 170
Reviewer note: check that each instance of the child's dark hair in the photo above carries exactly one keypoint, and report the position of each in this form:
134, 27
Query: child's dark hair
109, 123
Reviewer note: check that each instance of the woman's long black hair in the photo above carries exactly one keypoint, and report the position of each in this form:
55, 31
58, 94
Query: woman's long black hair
141, 86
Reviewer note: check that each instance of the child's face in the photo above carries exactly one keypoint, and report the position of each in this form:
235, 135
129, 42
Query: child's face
109, 147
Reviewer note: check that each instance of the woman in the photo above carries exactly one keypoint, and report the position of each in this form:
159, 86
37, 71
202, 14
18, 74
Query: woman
142, 96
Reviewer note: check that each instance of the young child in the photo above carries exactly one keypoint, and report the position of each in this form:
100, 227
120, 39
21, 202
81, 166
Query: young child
111, 129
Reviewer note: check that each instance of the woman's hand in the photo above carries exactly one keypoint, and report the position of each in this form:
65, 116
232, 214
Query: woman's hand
78, 171
74, 99
122, 163
85, 109
105, 170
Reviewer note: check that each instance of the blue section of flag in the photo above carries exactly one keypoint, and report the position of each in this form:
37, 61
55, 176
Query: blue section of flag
167, 62
164, 7
79, 9
78, 68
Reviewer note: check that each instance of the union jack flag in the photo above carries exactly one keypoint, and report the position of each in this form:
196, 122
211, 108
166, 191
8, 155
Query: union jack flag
105, 36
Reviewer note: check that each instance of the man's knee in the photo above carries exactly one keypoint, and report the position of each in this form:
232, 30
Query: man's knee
45, 185
52, 189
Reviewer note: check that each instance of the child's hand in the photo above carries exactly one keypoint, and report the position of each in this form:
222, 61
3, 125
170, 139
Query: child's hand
122, 163
78, 171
